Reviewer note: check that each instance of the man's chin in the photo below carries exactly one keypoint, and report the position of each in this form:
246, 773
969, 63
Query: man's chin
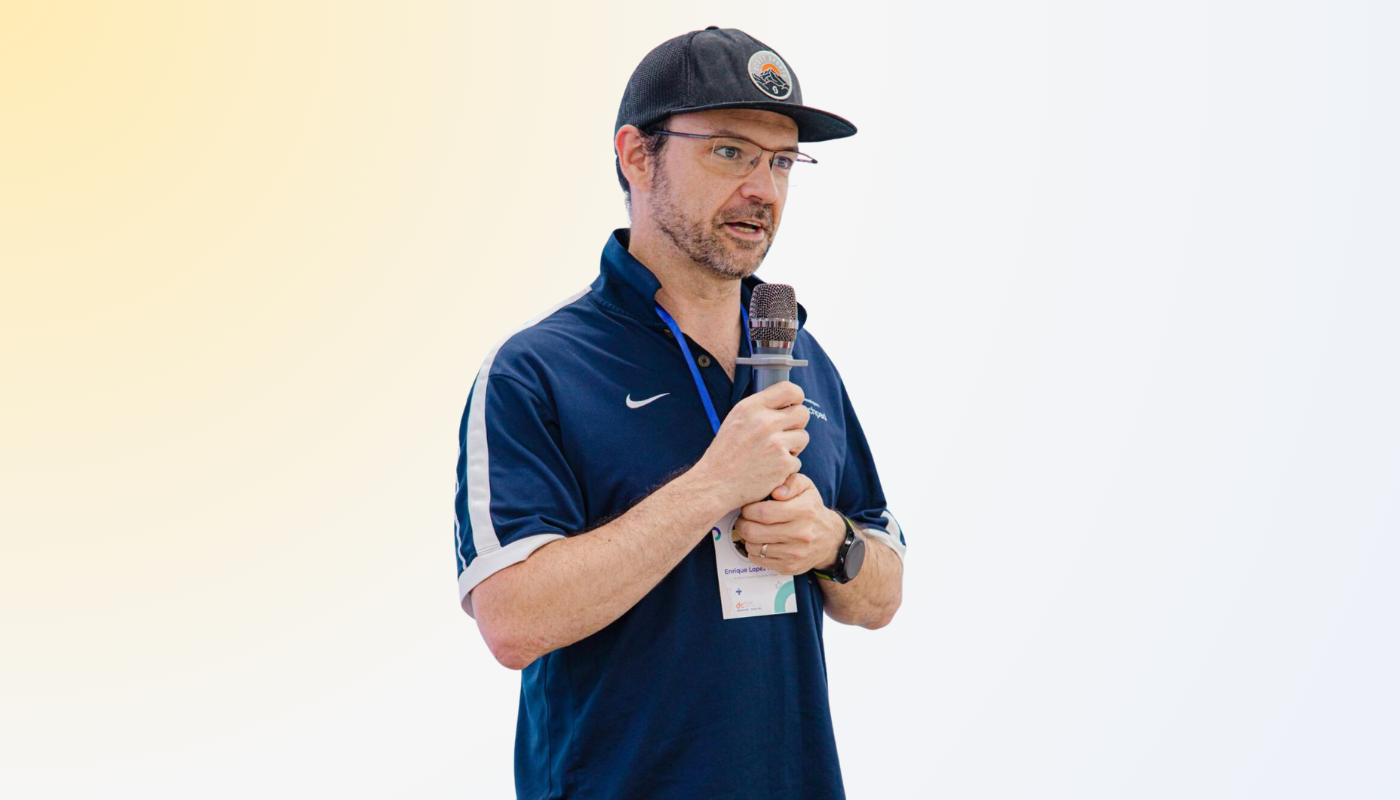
743, 263
727, 257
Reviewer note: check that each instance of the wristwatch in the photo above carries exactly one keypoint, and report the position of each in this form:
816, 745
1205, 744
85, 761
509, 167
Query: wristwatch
848, 558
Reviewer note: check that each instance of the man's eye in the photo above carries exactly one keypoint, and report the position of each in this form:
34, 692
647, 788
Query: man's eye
783, 162
728, 152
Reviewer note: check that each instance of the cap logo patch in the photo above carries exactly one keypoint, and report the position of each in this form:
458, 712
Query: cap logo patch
770, 74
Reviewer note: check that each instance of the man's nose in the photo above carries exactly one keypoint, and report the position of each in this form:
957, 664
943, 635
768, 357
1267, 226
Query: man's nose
762, 183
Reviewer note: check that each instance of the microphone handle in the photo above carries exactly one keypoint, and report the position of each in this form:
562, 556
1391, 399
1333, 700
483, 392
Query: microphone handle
765, 375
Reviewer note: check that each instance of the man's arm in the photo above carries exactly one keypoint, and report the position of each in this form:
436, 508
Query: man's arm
871, 599
571, 588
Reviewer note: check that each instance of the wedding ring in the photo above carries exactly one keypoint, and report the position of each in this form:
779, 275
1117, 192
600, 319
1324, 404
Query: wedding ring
763, 551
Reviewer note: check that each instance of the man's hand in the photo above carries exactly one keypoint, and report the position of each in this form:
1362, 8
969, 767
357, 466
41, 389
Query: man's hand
800, 531
757, 445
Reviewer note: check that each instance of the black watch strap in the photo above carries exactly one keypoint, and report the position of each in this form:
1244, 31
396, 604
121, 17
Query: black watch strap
840, 573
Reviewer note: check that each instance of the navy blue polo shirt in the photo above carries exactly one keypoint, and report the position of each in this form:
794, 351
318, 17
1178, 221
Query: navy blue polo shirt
652, 706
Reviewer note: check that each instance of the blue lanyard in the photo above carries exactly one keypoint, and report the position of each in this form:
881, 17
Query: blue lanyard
690, 361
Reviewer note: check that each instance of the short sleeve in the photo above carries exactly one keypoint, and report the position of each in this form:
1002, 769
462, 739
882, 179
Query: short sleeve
515, 489
860, 496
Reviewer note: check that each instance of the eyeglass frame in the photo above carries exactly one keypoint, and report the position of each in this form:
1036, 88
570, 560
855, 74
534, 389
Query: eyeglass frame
809, 159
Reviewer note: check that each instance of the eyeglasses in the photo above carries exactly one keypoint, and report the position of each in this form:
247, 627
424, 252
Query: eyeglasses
733, 155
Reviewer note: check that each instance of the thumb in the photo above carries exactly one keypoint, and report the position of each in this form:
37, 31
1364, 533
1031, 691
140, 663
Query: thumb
789, 488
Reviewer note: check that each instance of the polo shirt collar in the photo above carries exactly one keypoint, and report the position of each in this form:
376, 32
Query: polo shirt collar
627, 285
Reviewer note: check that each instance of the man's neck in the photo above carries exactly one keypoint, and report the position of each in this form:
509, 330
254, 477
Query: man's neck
704, 304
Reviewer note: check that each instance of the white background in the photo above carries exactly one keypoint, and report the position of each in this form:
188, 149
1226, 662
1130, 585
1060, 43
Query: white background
1112, 286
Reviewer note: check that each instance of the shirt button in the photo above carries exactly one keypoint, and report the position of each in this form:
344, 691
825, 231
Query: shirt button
703, 360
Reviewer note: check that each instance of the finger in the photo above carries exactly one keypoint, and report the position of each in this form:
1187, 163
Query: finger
756, 534
781, 395
790, 534
759, 534
795, 441
769, 512
776, 553
795, 418
754, 557
772, 558
796, 484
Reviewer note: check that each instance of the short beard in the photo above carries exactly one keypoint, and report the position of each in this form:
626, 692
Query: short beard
697, 240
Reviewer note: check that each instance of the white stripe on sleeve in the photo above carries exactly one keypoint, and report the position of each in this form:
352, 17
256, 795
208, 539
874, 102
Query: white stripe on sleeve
890, 538
483, 531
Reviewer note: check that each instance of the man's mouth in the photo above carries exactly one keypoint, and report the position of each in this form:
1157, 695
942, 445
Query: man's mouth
746, 230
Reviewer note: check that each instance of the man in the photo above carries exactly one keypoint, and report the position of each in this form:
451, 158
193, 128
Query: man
591, 479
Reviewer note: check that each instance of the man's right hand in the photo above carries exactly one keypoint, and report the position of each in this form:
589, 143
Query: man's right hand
757, 446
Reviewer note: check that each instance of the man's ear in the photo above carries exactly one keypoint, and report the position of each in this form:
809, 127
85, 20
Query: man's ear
632, 157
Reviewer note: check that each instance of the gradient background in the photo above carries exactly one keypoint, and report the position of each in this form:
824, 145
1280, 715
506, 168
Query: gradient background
1113, 287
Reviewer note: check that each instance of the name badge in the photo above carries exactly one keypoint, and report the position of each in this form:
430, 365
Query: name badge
746, 589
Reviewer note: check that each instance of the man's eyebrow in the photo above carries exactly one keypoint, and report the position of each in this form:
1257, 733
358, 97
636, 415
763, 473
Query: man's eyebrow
727, 132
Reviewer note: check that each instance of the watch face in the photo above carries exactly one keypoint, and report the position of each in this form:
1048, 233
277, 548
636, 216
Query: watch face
854, 558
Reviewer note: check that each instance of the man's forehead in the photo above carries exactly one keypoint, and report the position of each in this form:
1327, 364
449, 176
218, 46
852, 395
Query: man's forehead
762, 126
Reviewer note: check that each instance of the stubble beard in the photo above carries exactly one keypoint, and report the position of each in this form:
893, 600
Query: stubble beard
702, 242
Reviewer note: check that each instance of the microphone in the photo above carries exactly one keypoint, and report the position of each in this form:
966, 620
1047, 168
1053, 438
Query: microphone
773, 330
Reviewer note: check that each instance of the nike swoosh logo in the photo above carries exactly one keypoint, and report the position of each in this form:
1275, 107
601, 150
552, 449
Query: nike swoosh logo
639, 403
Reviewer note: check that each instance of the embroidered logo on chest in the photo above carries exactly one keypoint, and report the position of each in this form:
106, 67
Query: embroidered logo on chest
639, 403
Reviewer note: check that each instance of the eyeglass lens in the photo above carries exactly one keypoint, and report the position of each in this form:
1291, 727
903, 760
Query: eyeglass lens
738, 157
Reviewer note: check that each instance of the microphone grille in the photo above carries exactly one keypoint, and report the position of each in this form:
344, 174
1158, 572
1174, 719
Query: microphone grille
773, 301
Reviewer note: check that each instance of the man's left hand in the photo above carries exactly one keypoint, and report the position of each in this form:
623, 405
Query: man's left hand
800, 531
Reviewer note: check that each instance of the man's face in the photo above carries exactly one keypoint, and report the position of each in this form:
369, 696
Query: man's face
691, 204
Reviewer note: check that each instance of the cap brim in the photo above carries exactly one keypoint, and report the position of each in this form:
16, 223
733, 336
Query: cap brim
813, 125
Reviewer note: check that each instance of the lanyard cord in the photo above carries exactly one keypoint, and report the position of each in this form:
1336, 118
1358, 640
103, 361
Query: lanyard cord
690, 360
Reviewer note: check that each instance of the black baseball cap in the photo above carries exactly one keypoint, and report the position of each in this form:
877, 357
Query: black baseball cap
721, 68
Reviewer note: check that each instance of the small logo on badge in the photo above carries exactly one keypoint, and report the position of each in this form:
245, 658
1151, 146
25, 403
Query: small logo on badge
770, 74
